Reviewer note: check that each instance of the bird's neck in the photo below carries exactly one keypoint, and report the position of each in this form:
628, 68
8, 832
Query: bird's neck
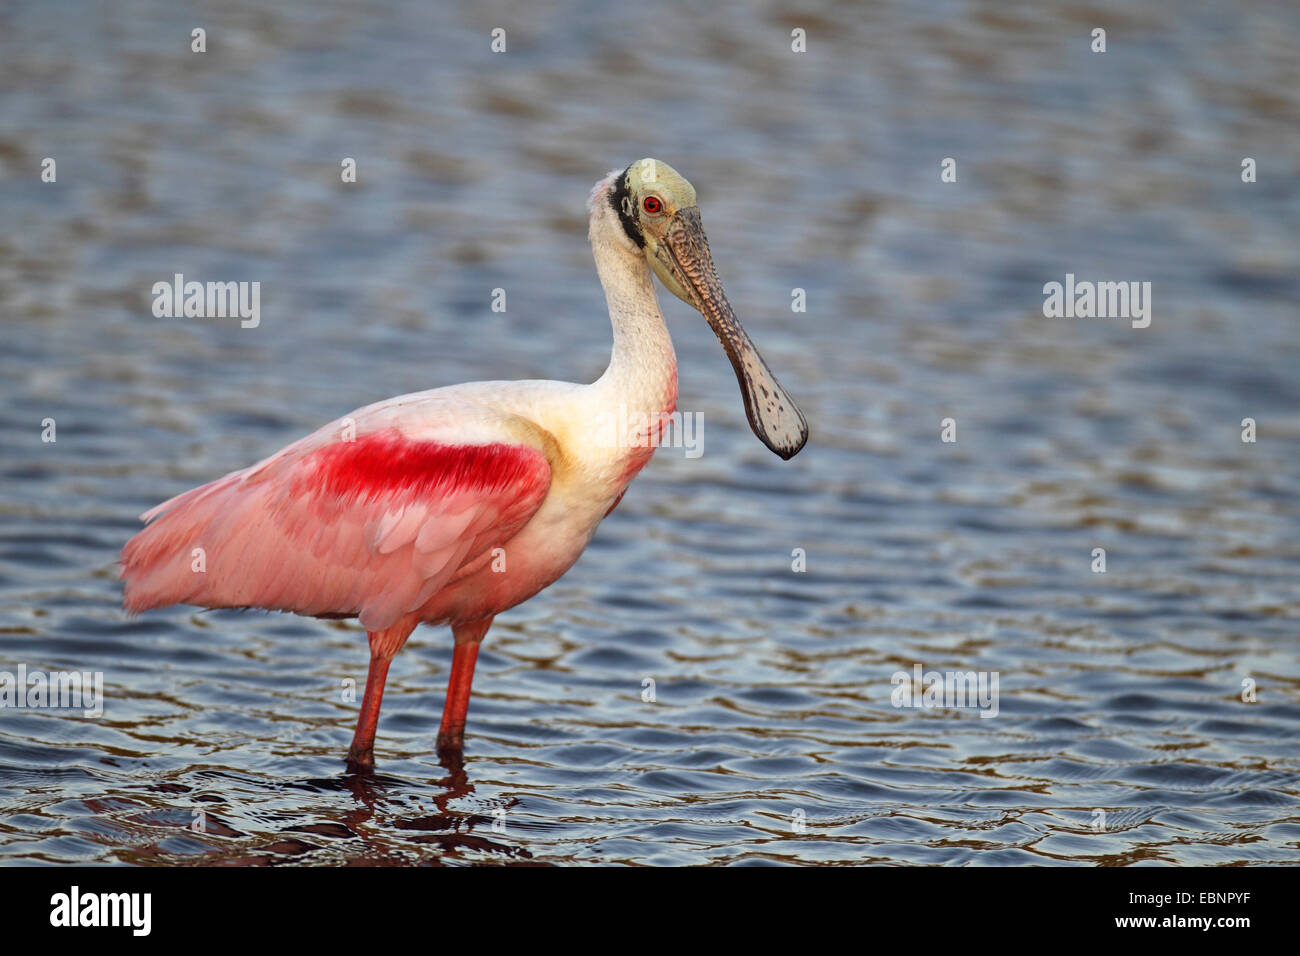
642, 373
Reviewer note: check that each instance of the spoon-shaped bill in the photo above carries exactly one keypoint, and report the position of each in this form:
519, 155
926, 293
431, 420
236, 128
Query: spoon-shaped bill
683, 264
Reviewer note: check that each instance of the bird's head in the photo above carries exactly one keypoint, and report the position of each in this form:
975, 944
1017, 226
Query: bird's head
656, 207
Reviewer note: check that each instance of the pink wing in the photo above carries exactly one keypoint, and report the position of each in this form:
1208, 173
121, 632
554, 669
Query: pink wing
372, 527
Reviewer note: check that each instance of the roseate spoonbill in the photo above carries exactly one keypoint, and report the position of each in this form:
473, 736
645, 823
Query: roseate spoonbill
450, 506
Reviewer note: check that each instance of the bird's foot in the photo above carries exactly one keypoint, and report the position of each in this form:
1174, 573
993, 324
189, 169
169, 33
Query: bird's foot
451, 749
361, 761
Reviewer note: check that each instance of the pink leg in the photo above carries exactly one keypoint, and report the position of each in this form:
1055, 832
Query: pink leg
384, 646
451, 735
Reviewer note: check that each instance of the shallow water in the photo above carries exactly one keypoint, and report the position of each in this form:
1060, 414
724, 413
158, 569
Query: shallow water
1119, 692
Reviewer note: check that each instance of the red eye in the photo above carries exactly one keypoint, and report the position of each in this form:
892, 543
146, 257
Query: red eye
652, 205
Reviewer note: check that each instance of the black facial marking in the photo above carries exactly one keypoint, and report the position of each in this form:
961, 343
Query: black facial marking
620, 197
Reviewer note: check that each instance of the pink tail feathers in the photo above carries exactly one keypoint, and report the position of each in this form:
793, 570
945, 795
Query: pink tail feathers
166, 562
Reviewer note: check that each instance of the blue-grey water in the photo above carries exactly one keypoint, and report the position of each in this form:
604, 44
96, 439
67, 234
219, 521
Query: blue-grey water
1126, 731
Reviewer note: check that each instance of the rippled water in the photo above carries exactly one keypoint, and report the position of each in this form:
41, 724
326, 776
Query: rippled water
1119, 692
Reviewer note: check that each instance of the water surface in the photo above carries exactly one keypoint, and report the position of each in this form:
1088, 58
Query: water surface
1119, 692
